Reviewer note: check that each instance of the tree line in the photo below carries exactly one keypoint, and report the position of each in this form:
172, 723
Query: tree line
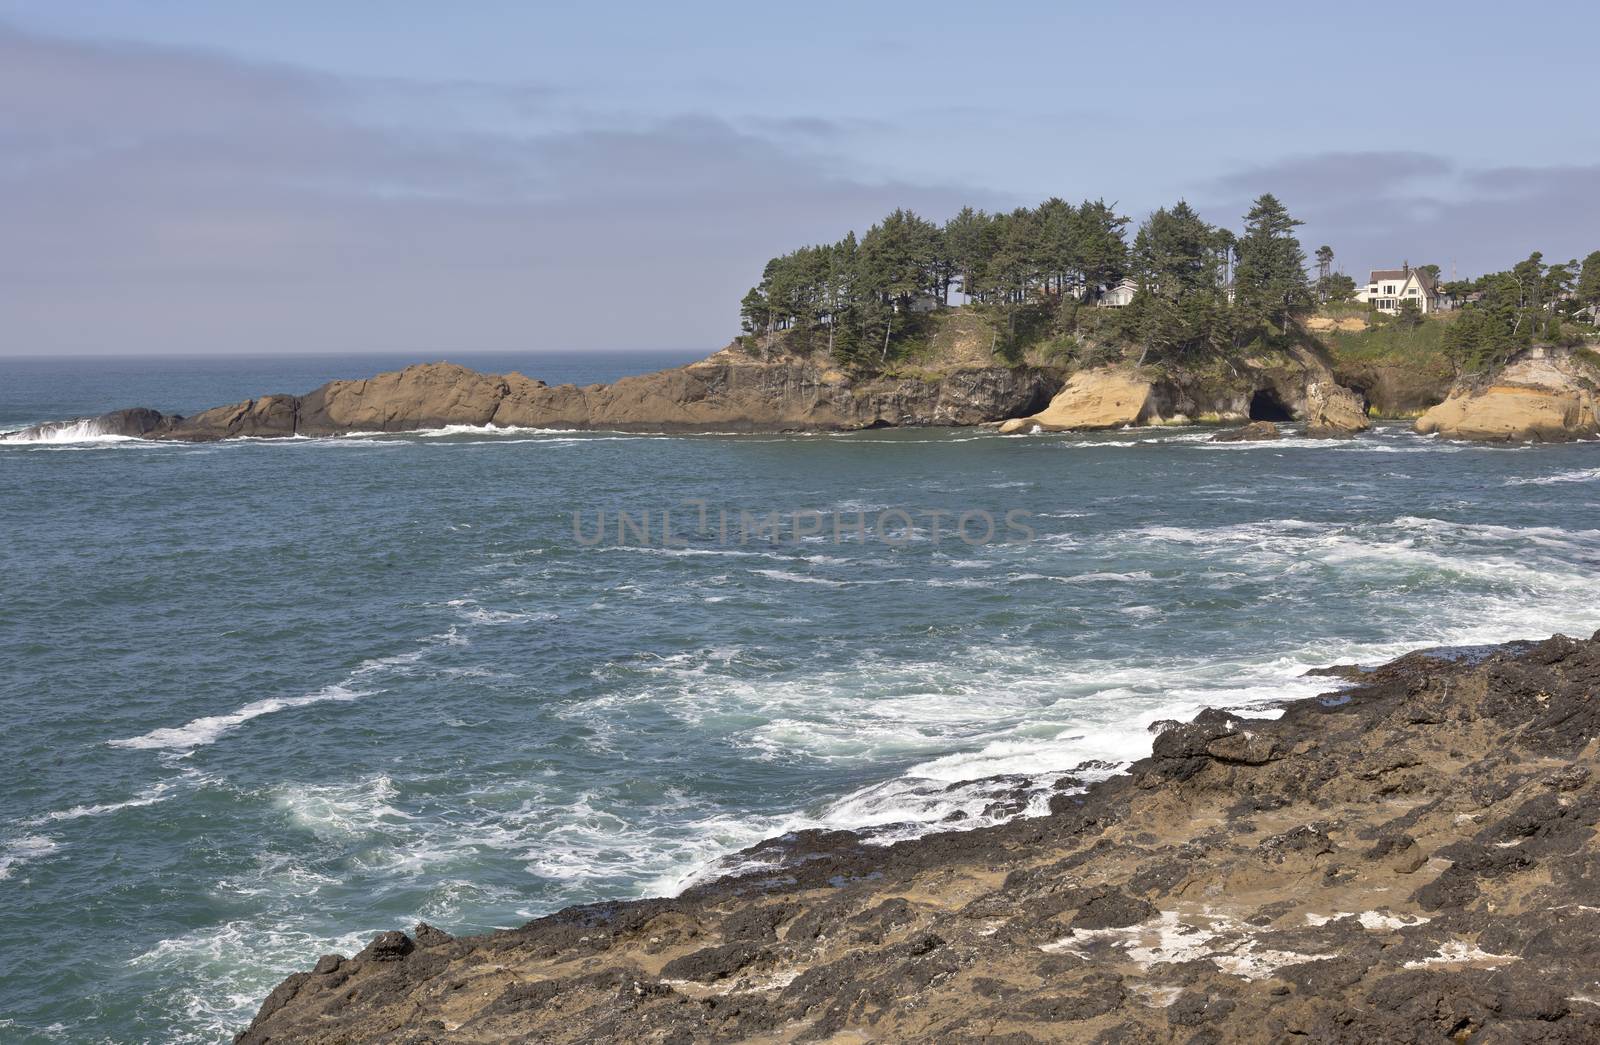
1199, 286
1505, 312
861, 293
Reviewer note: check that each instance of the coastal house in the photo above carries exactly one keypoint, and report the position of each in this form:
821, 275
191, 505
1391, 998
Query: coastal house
1388, 289
1119, 296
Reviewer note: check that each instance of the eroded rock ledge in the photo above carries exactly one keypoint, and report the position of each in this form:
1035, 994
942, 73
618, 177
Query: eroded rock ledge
1410, 859
727, 392
1541, 396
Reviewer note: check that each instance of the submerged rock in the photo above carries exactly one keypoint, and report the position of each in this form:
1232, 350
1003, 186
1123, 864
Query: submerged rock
1255, 431
1417, 859
131, 423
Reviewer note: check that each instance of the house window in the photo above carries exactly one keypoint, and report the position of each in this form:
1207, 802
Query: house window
1388, 288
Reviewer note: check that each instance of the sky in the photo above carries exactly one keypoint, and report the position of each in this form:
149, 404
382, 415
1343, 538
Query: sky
179, 176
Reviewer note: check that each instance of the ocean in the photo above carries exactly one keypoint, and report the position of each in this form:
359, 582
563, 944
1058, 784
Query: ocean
262, 699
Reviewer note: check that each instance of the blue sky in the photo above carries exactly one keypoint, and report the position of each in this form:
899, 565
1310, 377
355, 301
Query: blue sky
197, 177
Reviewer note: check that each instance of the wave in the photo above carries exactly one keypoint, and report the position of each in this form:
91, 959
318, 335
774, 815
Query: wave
201, 732
81, 430
472, 613
798, 578
209, 729
160, 791
24, 849
1586, 475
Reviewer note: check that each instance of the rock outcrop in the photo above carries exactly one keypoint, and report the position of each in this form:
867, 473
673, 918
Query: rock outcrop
1539, 397
1333, 411
1398, 389
736, 391
730, 391
1413, 858
1254, 432
1108, 397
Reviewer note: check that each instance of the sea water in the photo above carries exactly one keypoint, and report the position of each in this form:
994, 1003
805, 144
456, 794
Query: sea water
262, 699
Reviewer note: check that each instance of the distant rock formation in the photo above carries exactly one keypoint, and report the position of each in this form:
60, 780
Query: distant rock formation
1542, 396
731, 391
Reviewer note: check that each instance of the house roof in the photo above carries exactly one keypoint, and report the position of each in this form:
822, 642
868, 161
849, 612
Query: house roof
1427, 281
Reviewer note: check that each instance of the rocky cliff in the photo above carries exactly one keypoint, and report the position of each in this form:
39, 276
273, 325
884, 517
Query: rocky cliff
1544, 395
1293, 386
729, 392
1412, 858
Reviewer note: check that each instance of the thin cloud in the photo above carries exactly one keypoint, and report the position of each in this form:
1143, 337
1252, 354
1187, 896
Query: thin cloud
162, 199
1378, 209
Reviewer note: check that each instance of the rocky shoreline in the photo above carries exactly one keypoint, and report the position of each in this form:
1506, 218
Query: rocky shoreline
1541, 396
1409, 858
729, 391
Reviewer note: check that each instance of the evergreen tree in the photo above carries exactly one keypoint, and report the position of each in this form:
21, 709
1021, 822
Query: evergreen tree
840, 288
1102, 253
1588, 289
1530, 277
1337, 287
1058, 234
1015, 264
1271, 279
1179, 306
1589, 280
964, 242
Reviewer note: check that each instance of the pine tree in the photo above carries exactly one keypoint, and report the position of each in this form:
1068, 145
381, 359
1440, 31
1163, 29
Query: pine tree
1177, 261
1271, 278
1589, 284
1102, 252
964, 241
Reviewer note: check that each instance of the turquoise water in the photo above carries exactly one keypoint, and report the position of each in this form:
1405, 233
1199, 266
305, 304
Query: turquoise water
259, 700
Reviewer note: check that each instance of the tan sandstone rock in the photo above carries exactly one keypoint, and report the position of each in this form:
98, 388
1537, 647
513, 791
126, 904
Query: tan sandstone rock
429, 395
1104, 398
1334, 411
1539, 398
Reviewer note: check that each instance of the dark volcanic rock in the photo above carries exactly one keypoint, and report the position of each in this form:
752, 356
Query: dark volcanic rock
1414, 861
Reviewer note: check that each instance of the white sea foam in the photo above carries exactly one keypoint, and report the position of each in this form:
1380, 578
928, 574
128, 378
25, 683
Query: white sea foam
81, 430
160, 791
343, 810
1586, 475
472, 613
22, 850
220, 973
209, 729
798, 578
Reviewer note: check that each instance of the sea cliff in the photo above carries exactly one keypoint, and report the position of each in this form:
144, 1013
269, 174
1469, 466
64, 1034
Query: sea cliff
1542, 394
730, 391
1410, 857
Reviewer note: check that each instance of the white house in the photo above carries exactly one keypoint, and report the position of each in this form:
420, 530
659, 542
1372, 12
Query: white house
1389, 288
1120, 295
